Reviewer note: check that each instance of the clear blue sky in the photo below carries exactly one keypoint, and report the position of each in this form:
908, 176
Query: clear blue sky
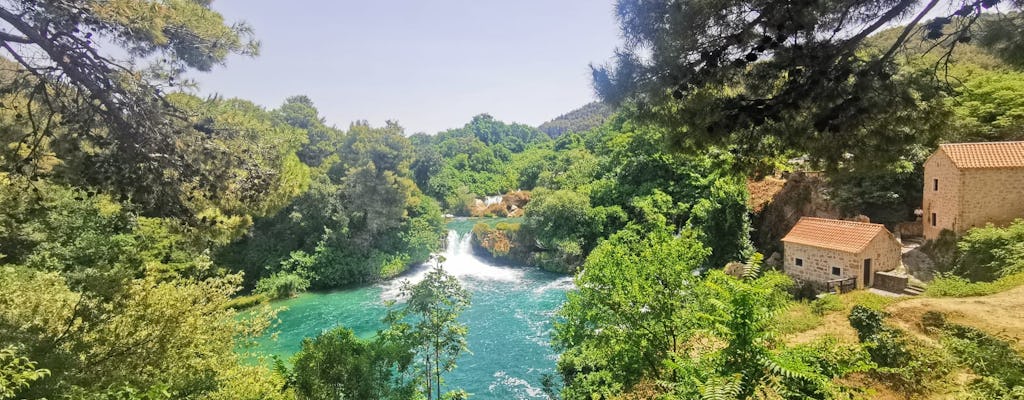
431, 65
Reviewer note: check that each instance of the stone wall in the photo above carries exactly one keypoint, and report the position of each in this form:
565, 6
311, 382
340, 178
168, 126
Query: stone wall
944, 202
884, 252
991, 195
818, 263
890, 282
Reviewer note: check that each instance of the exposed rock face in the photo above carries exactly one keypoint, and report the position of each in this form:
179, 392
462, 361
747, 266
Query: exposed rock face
511, 205
802, 195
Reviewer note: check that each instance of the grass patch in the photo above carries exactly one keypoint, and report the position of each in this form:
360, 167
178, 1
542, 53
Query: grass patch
867, 299
799, 317
954, 286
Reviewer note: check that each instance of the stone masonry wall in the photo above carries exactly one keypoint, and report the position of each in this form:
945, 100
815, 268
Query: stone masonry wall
991, 195
818, 263
945, 202
884, 252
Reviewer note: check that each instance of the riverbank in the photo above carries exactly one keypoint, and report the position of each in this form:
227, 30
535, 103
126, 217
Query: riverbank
509, 320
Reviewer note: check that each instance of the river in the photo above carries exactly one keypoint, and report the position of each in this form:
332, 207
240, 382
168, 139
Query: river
509, 321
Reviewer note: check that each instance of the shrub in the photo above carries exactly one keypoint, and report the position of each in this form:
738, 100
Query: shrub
948, 285
903, 363
243, 302
281, 285
986, 355
988, 253
826, 303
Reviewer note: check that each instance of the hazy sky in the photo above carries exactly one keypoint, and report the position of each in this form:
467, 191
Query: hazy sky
431, 65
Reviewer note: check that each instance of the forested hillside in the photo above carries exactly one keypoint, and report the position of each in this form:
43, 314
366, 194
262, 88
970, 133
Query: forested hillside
590, 116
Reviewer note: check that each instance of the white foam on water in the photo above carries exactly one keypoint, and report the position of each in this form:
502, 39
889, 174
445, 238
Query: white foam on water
518, 386
460, 262
563, 283
491, 200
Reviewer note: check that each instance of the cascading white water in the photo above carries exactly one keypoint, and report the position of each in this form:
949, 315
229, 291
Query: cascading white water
491, 200
458, 261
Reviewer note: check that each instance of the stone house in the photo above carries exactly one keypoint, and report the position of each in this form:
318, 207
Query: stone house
820, 250
967, 185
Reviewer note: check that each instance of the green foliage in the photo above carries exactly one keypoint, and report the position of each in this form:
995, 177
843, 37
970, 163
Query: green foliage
102, 108
590, 116
16, 373
428, 324
988, 253
628, 314
178, 334
999, 366
903, 363
946, 285
773, 81
338, 365
281, 285
361, 219
566, 226
826, 303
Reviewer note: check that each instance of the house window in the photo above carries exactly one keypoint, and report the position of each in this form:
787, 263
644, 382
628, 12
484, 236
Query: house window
799, 262
935, 219
935, 185
836, 271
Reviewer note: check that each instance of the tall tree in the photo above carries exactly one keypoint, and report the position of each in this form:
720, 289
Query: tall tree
775, 75
429, 320
93, 75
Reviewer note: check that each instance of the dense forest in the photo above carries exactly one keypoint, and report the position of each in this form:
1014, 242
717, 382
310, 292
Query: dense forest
144, 230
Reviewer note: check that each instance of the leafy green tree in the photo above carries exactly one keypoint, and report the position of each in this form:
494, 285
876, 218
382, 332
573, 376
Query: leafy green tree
566, 226
16, 373
428, 320
176, 334
629, 312
338, 365
768, 77
322, 141
80, 97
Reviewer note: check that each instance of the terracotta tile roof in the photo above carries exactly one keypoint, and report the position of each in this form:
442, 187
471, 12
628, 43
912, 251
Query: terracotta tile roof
847, 236
985, 155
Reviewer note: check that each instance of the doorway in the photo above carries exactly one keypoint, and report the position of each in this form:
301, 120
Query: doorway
867, 272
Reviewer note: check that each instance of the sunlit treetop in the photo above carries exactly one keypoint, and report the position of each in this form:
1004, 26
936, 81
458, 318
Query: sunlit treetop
790, 74
93, 75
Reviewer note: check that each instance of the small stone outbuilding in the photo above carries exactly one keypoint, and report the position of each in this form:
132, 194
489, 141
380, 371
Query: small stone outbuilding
819, 251
968, 185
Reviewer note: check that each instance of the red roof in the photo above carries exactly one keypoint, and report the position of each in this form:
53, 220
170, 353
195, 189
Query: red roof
985, 155
846, 236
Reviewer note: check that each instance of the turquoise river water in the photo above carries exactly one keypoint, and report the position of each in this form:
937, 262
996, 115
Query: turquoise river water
509, 320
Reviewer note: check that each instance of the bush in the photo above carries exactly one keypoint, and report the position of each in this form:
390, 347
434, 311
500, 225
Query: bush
281, 285
243, 302
986, 355
988, 253
826, 303
948, 285
903, 363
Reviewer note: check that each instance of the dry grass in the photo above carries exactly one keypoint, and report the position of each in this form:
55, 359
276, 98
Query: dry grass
835, 323
1000, 314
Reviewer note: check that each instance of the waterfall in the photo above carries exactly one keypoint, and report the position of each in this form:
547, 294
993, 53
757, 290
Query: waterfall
459, 261
492, 200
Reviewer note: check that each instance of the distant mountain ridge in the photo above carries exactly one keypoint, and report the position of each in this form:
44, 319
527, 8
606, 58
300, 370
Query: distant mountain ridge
581, 119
